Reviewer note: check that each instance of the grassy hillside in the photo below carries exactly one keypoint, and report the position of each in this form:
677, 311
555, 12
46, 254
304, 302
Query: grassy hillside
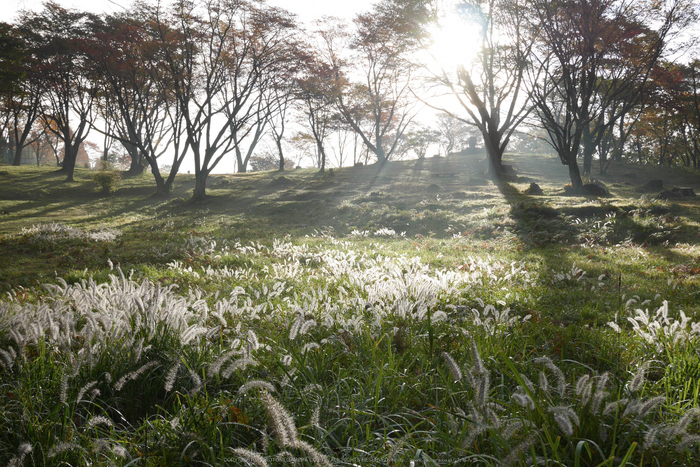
414, 313
431, 199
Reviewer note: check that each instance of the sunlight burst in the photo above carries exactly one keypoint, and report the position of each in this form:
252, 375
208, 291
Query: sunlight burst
455, 41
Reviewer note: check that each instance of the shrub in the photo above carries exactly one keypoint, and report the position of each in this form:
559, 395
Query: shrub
107, 179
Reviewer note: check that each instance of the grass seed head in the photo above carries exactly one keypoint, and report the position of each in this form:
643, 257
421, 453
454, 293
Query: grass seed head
282, 422
257, 383
250, 456
650, 405
319, 459
687, 442
639, 378
455, 371
170, 378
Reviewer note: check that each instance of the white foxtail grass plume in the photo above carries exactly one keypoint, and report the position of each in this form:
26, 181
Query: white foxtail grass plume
192, 334
614, 406
316, 415
544, 382
528, 384
479, 367
99, 420
294, 330
309, 346
312, 388
282, 423
256, 383
170, 378
215, 368
252, 342
134, 375
250, 457
7, 358
60, 447
639, 378
663, 436
600, 392
565, 418
521, 397
196, 382
687, 442
492, 320
455, 371
482, 389
22, 451
138, 350
581, 384
558, 374
647, 406
651, 438
514, 427
316, 457
84, 390
285, 432
660, 329
306, 326
524, 446
687, 419
100, 445
241, 364
586, 392
64, 390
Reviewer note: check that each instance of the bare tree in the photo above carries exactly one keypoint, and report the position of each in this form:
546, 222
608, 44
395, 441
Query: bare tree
490, 88
68, 89
20, 91
317, 91
220, 55
593, 52
136, 98
376, 99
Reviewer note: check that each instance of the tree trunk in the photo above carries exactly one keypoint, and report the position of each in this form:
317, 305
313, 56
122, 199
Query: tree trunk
278, 141
69, 157
588, 149
575, 175
381, 157
136, 167
322, 154
495, 156
18, 156
281, 166
200, 186
161, 188
173, 172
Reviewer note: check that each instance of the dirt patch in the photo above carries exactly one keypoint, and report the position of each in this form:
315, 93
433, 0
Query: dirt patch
281, 181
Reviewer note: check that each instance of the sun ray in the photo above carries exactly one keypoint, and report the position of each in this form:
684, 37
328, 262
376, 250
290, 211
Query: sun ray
455, 41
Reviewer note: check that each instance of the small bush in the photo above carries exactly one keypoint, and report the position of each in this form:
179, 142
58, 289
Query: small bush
107, 179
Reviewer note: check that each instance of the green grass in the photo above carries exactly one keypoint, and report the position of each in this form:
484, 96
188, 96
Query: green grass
415, 313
